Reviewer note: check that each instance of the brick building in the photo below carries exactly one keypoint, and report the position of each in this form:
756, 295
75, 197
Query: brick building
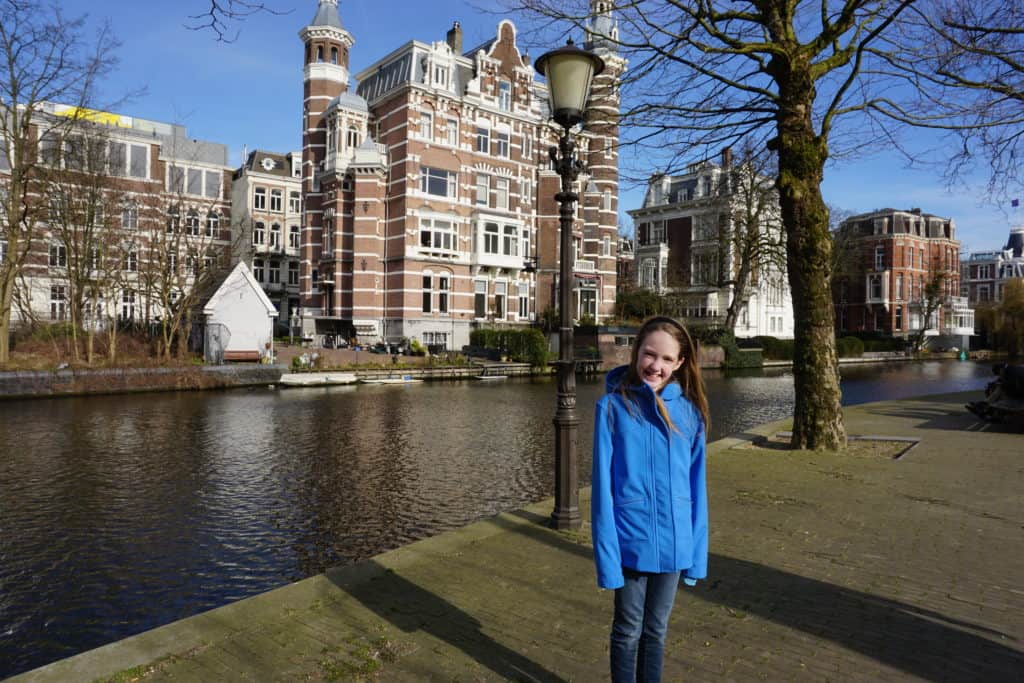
428, 200
134, 214
887, 260
984, 274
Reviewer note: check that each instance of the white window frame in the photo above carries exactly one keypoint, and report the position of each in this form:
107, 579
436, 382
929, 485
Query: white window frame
58, 302
427, 125
524, 300
58, 255
131, 261
427, 292
502, 190
479, 289
259, 233
259, 198
482, 139
505, 95
444, 280
212, 224
482, 193
442, 235
510, 240
452, 131
500, 299
492, 238
430, 176
294, 236
295, 201
276, 200
502, 144
129, 217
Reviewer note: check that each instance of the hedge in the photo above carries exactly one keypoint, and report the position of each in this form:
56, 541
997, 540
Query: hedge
521, 345
776, 349
850, 347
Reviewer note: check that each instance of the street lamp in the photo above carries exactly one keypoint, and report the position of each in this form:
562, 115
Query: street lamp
295, 322
569, 72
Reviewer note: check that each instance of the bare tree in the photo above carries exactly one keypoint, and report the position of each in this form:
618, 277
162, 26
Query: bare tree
83, 224
929, 300
220, 15
188, 247
752, 245
44, 57
969, 56
809, 81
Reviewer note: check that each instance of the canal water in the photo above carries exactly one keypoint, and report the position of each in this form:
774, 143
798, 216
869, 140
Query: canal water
122, 513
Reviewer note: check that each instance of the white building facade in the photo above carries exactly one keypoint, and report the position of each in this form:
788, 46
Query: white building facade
685, 246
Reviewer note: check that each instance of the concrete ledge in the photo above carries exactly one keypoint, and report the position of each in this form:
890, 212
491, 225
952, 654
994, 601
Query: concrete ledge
30, 384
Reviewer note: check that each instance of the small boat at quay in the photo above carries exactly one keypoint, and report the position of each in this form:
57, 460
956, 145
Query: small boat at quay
404, 379
317, 379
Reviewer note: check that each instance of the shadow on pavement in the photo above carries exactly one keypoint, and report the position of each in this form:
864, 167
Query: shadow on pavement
410, 608
955, 418
918, 641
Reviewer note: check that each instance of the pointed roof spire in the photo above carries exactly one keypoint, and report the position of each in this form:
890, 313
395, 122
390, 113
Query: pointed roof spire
327, 15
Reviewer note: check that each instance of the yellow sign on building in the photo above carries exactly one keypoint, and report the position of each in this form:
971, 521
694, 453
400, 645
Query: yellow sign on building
95, 116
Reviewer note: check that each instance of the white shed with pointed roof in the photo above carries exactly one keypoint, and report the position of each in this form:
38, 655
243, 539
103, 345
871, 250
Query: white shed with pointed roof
239, 319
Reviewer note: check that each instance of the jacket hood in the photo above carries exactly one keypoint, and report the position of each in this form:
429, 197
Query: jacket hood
617, 376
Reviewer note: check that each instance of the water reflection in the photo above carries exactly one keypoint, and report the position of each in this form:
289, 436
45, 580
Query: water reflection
121, 513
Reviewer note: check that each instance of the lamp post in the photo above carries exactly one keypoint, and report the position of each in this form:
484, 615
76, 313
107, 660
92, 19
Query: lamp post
295, 321
569, 72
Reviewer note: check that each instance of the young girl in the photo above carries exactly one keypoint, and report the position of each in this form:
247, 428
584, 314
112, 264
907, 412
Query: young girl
649, 504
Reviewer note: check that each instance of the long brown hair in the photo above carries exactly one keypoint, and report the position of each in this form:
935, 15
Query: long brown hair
688, 374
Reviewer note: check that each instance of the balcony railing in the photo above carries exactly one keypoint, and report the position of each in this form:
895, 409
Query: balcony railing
582, 266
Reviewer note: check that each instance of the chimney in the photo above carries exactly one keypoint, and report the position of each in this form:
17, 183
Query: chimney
454, 38
727, 157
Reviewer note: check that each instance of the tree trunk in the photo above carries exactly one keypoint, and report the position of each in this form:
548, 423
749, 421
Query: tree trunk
5, 326
817, 414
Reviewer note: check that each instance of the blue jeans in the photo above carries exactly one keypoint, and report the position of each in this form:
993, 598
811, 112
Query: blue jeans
642, 608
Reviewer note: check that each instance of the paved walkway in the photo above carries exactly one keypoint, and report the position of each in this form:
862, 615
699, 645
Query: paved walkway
823, 568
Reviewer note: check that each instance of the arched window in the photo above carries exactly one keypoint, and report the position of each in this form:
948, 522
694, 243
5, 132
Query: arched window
212, 224
352, 137
319, 53
334, 55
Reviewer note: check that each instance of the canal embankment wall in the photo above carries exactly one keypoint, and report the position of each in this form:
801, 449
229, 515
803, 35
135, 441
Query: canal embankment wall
77, 382
80, 382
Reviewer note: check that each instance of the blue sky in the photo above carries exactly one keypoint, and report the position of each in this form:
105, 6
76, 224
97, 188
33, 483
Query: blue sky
249, 92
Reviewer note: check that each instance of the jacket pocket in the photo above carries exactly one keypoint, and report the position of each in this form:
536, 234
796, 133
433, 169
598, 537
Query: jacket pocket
682, 511
632, 519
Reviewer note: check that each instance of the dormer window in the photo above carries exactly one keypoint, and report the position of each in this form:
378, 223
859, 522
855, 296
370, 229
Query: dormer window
440, 75
504, 96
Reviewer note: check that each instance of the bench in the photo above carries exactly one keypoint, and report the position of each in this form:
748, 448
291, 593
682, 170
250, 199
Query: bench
242, 356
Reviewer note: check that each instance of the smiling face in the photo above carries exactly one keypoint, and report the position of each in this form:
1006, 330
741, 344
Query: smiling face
657, 358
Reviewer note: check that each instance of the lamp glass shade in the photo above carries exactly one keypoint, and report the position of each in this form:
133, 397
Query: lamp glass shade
569, 72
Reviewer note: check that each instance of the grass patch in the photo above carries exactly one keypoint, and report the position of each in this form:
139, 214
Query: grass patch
357, 660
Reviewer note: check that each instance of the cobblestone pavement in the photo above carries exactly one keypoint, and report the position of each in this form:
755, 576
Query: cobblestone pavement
824, 568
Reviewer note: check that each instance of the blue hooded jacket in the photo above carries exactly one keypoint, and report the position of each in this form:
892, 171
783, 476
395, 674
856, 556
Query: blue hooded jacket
649, 506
